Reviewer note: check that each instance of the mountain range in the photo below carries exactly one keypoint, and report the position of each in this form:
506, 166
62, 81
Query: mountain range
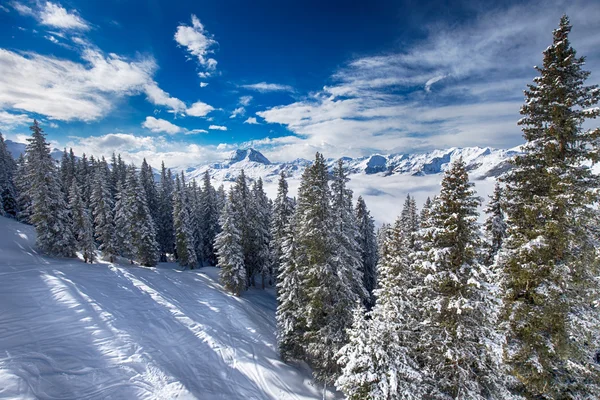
383, 180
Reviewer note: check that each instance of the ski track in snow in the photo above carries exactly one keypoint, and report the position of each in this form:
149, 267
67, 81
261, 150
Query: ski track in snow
74, 331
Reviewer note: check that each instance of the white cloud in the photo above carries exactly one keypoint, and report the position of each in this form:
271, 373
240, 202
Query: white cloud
9, 121
195, 131
251, 120
68, 90
54, 15
199, 43
203, 84
268, 87
217, 127
53, 125
199, 109
240, 111
22, 9
5, 9
158, 125
51, 38
245, 100
159, 97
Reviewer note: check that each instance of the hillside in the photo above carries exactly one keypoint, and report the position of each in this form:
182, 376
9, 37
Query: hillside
71, 330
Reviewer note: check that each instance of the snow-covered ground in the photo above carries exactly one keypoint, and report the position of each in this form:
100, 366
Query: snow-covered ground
70, 330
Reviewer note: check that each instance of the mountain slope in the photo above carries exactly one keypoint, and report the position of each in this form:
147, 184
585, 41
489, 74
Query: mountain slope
71, 330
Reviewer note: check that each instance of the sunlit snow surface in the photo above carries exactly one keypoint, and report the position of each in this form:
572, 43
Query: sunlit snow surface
74, 331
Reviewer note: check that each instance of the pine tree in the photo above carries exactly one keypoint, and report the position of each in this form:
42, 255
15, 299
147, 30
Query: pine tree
240, 201
123, 215
184, 234
102, 211
81, 225
48, 210
67, 170
194, 195
367, 243
283, 210
261, 231
209, 220
346, 234
291, 297
455, 295
23, 195
166, 233
141, 226
549, 262
8, 192
149, 186
495, 224
410, 222
386, 366
330, 292
229, 250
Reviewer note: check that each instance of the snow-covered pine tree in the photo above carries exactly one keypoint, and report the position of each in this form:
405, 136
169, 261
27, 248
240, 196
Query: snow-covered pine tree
141, 226
455, 297
68, 165
81, 227
221, 198
184, 234
166, 233
261, 231
102, 211
209, 220
123, 215
240, 201
330, 296
386, 367
228, 245
549, 258
367, 243
48, 211
8, 192
291, 297
283, 210
83, 174
346, 234
22, 186
382, 235
410, 222
194, 194
149, 186
495, 224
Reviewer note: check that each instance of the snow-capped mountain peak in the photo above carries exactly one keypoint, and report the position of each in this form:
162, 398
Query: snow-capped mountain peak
248, 155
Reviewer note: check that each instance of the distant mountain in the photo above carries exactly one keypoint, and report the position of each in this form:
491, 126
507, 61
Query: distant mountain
16, 149
481, 163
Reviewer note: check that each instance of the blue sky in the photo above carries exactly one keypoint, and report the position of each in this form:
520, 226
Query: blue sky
187, 81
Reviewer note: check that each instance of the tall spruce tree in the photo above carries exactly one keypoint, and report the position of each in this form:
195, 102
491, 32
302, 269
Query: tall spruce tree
261, 231
549, 263
329, 296
8, 191
346, 234
184, 233
141, 226
149, 186
166, 233
48, 211
495, 224
103, 212
367, 243
283, 210
410, 222
123, 215
240, 201
209, 220
456, 297
382, 362
82, 229
228, 244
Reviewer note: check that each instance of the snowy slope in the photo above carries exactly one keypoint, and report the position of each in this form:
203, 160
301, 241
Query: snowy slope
74, 331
